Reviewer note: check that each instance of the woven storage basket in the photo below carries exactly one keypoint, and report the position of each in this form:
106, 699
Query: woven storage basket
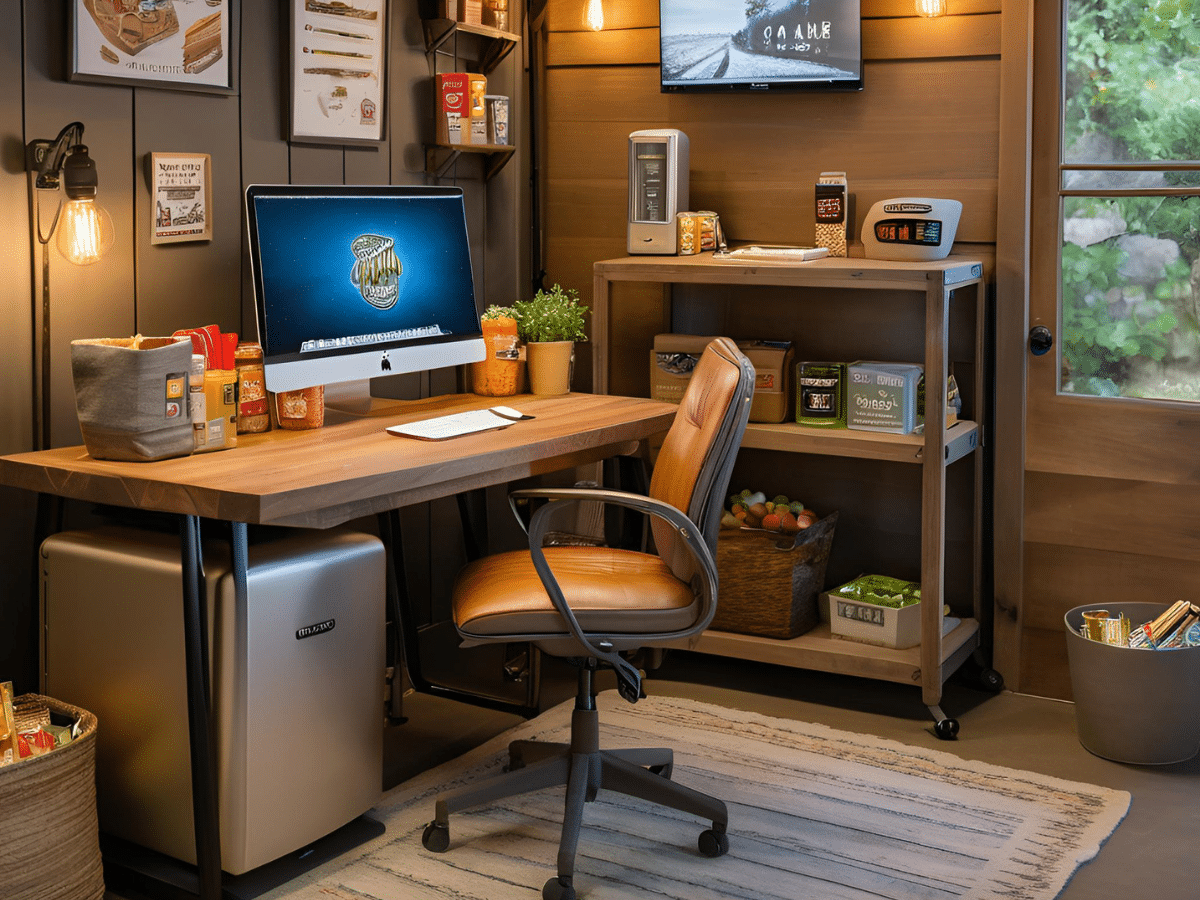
49, 838
769, 582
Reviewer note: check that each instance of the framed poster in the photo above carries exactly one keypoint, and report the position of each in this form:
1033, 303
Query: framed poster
338, 61
180, 197
184, 46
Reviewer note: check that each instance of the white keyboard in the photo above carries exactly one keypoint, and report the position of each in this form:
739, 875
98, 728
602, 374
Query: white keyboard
775, 254
458, 424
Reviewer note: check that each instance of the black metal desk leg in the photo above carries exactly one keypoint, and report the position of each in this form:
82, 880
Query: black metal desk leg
204, 762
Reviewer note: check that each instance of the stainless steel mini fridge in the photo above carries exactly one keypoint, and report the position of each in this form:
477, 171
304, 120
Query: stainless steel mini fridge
297, 677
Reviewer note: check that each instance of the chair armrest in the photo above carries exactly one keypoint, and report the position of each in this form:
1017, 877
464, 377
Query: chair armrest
629, 679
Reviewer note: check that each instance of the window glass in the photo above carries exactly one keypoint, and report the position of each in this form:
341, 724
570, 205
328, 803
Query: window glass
1130, 185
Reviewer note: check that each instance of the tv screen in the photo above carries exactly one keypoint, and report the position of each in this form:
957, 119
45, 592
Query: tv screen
355, 282
760, 45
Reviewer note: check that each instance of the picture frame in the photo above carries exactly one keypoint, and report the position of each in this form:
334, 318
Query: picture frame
338, 60
180, 197
174, 46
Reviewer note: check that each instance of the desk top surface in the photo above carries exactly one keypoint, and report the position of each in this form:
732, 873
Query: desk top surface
351, 467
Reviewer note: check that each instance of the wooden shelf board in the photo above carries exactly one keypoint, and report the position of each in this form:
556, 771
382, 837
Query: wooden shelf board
819, 650
961, 439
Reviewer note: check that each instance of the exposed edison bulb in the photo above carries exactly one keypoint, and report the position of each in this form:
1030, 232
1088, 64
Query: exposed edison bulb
85, 232
931, 9
594, 16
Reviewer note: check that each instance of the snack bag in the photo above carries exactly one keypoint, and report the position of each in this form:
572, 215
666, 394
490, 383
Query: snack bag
8, 726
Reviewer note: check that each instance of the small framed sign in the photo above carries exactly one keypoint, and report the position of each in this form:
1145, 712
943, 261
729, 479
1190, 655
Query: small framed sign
157, 43
339, 68
180, 197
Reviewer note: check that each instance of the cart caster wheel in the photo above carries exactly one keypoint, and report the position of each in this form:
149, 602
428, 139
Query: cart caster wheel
558, 889
991, 680
946, 729
662, 771
436, 838
713, 843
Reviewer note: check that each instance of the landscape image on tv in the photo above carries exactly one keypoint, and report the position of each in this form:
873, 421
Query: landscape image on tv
714, 44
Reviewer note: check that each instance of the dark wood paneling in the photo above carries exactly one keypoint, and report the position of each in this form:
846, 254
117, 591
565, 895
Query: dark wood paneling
195, 283
97, 300
16, 288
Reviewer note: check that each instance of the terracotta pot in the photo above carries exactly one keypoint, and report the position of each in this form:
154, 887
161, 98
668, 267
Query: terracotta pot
549, 365
501, 373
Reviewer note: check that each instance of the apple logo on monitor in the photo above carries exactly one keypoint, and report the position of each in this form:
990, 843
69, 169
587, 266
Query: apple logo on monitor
376, 271
385, 364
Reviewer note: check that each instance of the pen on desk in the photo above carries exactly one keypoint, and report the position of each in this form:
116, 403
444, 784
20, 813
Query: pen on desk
338, 53
348, 34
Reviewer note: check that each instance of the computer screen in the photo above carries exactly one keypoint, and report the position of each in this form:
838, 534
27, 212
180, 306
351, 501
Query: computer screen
356, 282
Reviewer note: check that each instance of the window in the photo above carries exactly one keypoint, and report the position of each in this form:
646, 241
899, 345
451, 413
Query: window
1129, 190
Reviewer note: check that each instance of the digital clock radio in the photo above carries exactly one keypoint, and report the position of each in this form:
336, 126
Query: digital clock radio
917, 228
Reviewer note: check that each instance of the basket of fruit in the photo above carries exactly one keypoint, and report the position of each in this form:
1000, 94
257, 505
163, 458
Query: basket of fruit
771, 560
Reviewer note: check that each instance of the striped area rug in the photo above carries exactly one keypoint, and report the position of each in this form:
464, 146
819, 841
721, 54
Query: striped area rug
814, 813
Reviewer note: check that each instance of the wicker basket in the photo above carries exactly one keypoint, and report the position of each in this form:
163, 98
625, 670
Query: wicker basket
49, 839
769, 582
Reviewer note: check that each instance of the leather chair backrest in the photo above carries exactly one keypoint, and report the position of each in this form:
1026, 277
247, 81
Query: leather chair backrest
696, 460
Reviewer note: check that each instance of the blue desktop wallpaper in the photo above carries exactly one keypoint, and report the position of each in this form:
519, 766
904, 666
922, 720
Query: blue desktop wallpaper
306, 264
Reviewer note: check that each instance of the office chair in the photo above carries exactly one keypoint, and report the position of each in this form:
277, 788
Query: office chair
591, 604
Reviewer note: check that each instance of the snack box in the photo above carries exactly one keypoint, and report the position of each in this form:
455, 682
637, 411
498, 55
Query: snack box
854, 616
821, 394
882, 396
477, 130
675, 356
451, 103
470, 12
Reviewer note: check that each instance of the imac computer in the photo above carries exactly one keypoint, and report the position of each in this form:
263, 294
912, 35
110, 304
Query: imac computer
359, 282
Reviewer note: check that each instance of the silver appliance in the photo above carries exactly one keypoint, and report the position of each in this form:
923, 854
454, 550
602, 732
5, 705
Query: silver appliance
658, 189
297, 674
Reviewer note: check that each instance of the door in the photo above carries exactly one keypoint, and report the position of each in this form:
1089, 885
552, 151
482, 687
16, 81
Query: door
1112, 442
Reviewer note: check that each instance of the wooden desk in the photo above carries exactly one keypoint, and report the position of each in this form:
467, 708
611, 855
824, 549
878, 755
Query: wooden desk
321, 478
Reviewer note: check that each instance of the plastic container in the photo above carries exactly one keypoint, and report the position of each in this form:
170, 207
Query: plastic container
1134, 706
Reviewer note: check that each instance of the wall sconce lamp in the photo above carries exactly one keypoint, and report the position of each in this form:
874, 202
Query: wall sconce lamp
931, 9
85, 229
593, 16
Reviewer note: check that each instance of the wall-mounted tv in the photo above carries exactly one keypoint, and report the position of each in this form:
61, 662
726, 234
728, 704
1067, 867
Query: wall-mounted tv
760, 45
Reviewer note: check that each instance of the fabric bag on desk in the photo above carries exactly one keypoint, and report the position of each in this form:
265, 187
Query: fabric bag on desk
131, 397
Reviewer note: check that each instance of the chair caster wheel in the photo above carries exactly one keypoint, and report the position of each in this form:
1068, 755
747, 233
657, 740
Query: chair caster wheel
436, 838
991, 680
558, 889
946, 729
713, 843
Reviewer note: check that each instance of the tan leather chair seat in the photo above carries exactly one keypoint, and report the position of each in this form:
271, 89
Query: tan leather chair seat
611, 591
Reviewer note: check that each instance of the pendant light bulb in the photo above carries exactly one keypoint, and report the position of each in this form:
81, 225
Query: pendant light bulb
85, 232
594, 17
931, 9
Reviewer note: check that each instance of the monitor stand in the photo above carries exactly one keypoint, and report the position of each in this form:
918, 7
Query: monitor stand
349, 396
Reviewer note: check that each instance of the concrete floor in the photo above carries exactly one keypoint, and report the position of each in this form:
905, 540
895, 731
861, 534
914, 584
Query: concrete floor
1150, 854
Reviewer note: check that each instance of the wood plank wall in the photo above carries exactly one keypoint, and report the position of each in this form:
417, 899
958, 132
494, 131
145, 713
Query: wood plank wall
926, 124
157, 289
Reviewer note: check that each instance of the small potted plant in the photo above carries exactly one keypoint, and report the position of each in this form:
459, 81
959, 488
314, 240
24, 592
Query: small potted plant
550, 324
501, 372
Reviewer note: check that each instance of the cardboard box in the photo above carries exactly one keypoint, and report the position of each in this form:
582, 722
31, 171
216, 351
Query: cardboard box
772, 362
872, 624
882, 396
450, 101
675, 356
495, 14
470, 11
477, 130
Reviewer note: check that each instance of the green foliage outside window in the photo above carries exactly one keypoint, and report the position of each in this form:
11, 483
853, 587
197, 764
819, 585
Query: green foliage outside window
1132, 80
